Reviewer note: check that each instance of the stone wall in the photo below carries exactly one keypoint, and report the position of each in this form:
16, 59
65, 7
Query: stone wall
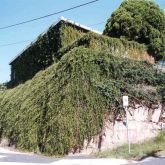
144, 123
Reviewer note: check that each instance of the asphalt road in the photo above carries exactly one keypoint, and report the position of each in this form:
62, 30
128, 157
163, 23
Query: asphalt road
152, 161
8, 157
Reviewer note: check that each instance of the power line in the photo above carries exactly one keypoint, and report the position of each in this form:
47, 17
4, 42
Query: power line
14, 43
45, 16
20, 42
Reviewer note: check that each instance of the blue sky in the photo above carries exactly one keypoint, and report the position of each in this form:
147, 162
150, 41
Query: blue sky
14, 11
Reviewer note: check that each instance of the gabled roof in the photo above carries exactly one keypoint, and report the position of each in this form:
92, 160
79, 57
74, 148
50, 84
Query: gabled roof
54, 24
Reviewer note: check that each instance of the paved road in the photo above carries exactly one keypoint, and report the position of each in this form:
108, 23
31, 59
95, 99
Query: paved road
152, 161
8, 157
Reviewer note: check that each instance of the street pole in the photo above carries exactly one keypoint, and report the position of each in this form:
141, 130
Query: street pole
128, 138
125, 106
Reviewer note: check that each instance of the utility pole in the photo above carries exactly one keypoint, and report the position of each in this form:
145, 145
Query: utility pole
125, 106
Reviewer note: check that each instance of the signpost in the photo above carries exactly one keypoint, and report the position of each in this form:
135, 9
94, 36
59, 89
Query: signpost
125, 106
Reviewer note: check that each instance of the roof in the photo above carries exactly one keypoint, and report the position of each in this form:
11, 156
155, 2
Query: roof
54, 24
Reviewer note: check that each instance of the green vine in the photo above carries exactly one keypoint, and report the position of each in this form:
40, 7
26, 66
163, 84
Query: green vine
39, 55
68, 102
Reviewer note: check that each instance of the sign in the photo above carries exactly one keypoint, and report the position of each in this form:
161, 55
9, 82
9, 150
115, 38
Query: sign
125, 101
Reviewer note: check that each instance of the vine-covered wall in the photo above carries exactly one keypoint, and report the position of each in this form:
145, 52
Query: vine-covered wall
69, 101
63, 37
118, 47
41, 54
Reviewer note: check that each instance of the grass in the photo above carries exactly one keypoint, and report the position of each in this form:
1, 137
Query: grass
154, 147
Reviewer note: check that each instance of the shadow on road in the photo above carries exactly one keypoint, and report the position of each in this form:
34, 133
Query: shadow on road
151, 154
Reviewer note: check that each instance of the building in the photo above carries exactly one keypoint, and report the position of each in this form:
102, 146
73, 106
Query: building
44, 50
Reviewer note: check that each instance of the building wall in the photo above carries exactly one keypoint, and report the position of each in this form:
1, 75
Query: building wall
43, 52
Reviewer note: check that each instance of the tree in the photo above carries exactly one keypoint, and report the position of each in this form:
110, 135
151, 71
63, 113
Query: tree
142, 21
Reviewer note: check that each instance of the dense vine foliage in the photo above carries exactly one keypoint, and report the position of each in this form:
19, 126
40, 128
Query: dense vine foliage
61, 38
68, 102
118, 47
41, 53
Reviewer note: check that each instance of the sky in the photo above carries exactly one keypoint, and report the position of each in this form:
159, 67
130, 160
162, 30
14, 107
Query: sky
14, 11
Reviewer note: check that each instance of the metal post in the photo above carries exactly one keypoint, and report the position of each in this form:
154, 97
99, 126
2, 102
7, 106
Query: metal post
128, 138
